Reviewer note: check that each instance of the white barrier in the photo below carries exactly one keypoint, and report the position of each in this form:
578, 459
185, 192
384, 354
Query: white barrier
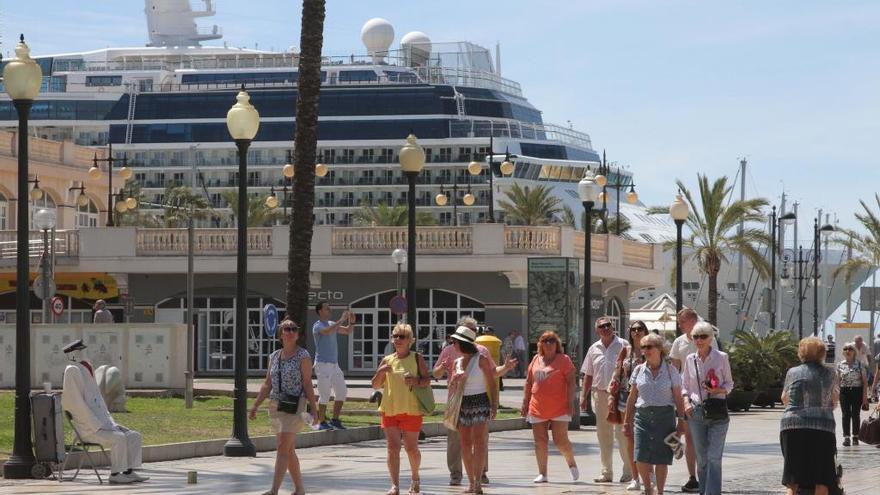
150, 355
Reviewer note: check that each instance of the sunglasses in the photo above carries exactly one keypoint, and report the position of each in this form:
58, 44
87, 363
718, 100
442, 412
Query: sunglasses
289, 329
646, 347
604, 325
398, 336
702, 336
638, 329
549, 341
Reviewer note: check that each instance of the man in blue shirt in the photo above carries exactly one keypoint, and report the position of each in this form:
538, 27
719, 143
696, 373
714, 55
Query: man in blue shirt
327, 368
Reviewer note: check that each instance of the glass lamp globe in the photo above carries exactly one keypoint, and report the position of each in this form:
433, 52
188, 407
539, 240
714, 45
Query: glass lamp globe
632, 197
468, 199
121, 207
44, 219
272, 202
588, 190
398, 256
321, 170
412, 156
22, 76
125, 173
82, 200
441, 199
36, 193
507, 167
601, 180
601, 197
94, 173
131, 203
679, 210
288, 170
474, 168
243, 120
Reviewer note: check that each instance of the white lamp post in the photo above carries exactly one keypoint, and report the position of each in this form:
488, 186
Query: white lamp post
679, 212
588, 191
412, 159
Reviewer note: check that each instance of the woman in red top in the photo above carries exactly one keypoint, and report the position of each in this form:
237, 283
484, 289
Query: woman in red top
549, 394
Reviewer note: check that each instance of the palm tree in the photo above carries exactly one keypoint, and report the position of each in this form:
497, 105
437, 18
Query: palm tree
389, 216
713, 232
299, 255
527, 206
865, 246
179, 200
258, 214
568, 218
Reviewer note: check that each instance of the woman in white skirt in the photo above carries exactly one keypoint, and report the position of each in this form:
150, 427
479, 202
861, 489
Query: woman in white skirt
289, 380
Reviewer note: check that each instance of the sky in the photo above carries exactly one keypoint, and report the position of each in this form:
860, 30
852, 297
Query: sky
669, 88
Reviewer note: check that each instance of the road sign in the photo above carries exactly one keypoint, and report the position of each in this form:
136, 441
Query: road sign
869, 298
39, 287
398, 305
270, 319
57, 306
127, 303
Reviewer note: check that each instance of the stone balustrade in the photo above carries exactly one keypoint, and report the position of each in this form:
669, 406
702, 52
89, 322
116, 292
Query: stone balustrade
207, 242
66, 243
532, 240
383, 240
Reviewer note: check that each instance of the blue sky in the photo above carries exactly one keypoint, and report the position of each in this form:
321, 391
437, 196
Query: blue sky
669, 88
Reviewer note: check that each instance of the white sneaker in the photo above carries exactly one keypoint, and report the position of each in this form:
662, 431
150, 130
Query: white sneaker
540, 479
138, 478
634, 486
120, 479
575, 474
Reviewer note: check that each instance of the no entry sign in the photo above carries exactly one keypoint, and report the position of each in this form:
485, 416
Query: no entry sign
57, 306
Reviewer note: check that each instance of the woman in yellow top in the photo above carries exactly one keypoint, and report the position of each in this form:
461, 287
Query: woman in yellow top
399, 372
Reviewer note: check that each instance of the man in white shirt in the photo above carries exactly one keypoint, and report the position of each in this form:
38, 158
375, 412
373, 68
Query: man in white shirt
82, 399
682, 347
598, 369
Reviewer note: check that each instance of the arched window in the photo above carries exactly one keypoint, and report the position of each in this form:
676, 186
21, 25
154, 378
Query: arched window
438, 313
87, 216
614, 310
4, 213
45, 202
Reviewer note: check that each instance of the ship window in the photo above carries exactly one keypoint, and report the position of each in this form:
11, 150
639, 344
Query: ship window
103, 80
357, 76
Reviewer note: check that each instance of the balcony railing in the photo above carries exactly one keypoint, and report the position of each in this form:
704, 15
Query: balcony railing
532, 240
207, 242
383, 240
66, 243
638, 254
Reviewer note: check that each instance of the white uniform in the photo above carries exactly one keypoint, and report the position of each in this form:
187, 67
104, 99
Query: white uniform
82, 399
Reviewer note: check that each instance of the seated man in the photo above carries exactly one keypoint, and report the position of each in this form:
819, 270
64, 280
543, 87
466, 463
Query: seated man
82, 399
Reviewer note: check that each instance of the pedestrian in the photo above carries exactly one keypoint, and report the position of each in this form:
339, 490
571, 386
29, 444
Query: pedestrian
682, 347
476, 374
288, 385
445, 365
399, 373
548, 397
863, 354
652, 406
706, 381
327, 370
853, 379
598, 369
102, 314
807, 428
830, 349
627, 360
519, 352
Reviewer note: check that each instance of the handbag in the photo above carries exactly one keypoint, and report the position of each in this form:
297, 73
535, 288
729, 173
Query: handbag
614, 415
869, 431
453, 405
287, 403
424, 395
713, 409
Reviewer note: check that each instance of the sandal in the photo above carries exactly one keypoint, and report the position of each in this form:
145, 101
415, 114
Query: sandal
270, 492
393, 491
414, 487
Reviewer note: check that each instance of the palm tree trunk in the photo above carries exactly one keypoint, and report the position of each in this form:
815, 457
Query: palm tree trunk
713, 297
305, 145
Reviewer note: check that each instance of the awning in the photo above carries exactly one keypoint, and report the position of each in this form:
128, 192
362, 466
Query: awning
79, 285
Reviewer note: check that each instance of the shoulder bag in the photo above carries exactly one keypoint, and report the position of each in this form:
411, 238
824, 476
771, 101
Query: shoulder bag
713, 409
287, 403
614, 416
869, 432
453, 405
424, 395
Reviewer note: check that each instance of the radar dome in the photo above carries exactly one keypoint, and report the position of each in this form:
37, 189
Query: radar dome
416, 47
377, 35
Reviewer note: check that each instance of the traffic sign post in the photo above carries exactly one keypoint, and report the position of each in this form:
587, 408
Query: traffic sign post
57, 306
44, 287
270, 319
398, 305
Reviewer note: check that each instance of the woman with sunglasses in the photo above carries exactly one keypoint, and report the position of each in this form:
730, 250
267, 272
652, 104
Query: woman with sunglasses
549, 393
627, 360
853, 379
289, 375
652, 406
706, 375
398, 374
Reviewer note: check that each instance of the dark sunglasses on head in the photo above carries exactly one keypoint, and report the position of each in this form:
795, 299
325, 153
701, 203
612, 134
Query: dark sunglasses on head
398, 336
604, 325
646, 347
701, 336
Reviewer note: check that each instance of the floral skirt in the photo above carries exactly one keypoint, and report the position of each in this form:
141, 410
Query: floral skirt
475, 409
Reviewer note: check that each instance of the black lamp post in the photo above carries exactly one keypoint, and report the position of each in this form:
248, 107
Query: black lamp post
775, 224
124, 174
412, 159
679, 212
602, 180
799, 261
825, 230
443, 198
506, 168
243, 121
588, 192
287, 173
22, 78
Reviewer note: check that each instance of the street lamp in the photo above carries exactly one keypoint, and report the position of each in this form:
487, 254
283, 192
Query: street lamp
443, 198
632, 197
679, 212
398, 256
81, 199
36, 193
588, 191
412, 159
800, 276
506, 168
124, 174
243, 122
44, 220
776, 223
824, 231
22, 78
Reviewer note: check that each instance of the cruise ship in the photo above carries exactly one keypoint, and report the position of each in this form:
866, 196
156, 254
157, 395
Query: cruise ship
163, 107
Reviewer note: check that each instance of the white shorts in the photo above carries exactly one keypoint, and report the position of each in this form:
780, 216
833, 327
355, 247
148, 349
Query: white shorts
330, 377
565, 418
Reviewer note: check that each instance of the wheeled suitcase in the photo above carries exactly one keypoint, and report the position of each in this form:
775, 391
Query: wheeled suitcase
48, 430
